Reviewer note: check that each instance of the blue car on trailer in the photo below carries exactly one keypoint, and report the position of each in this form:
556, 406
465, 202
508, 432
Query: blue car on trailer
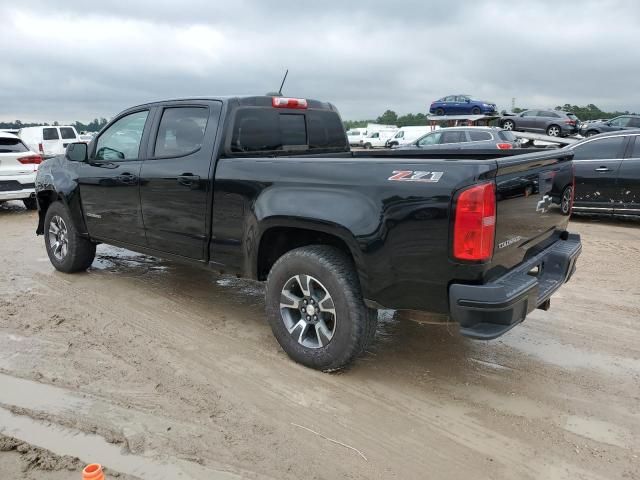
461, 105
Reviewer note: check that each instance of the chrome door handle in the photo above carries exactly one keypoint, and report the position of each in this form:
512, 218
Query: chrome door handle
602, 169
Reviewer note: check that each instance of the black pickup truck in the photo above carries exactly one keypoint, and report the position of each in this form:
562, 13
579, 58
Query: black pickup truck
266, 188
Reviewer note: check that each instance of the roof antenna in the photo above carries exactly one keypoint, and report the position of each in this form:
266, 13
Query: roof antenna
283, 80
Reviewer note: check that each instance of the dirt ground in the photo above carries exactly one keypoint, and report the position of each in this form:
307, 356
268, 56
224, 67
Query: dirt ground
158, 370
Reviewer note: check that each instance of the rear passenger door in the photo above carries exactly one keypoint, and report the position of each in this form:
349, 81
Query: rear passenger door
628, 183
528, 120
50, 141
176, 179
452, 139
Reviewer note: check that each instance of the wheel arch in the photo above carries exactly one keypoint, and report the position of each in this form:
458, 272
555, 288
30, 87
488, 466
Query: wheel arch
47, 197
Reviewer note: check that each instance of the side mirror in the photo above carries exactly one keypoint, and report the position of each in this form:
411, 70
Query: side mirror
76, 152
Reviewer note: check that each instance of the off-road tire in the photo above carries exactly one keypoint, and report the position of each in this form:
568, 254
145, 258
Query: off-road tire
355, 324
80, 251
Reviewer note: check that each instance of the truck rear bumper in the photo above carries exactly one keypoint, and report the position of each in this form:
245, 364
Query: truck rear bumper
488, 311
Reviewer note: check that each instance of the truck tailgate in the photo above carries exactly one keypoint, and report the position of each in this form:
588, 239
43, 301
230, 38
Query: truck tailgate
529, 190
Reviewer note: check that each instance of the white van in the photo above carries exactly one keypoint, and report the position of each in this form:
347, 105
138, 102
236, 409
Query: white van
49, 141
407, 135
356, 136
378, 138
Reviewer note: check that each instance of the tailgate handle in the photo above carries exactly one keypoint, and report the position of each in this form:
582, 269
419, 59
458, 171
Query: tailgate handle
602, 169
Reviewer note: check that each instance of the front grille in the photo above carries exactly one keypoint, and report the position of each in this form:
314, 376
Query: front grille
12, 185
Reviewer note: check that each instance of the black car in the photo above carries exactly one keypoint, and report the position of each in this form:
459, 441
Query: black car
554, 123
623, 122
607, 173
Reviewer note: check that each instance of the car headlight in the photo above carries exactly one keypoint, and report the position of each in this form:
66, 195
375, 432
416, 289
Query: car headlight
486, 105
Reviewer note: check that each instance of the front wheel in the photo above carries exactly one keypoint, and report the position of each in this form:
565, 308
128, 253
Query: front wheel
315, 308
367, 146
590, 133
68, 251
566, 201
476, 111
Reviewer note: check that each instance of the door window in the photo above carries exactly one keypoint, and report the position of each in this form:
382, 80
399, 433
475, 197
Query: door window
181, 131
121, 141
530, 113
548, 114
602, 149
431, 139
453, 137
620, 121
478, 136
50, 133
67, 133
634, 122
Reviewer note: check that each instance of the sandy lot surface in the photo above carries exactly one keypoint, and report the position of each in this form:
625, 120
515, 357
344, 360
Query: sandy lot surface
157, 370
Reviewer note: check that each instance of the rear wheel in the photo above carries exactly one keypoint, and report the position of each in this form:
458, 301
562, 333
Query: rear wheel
439, 112
508, 125
565, 202
315, 308
30, 203
554, 131
68, 251
590, 133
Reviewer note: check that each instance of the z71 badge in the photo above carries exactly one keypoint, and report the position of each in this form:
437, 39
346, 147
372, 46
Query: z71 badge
415, 176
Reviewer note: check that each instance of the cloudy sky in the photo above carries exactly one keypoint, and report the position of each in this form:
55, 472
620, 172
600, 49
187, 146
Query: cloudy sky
75, 60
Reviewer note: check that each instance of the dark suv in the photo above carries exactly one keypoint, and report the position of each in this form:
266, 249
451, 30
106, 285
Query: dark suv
554, 123
623, 122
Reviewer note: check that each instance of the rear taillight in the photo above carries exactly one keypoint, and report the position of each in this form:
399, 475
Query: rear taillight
31, 160
475, 223
284, 102
504, 146
40, 148
570, 122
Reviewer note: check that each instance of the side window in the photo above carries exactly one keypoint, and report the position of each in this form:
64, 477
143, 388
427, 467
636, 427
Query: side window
431, 139
548, 114
602, 149
530, 113
50, 133
620, 121
121, 141
400, 134
634, 122
452, 137
478, 136
67, 133
181, 131
450, 98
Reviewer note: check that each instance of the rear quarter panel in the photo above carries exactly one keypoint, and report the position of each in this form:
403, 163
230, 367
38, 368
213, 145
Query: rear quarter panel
397, 230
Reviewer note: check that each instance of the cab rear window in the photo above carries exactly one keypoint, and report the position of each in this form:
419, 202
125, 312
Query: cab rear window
270, 130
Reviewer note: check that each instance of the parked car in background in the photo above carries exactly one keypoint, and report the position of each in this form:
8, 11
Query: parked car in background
623, 122
378, 139
461, 105
356, 136
407, 135
466, 138
49, 141
554, 123
18, 166
607, 173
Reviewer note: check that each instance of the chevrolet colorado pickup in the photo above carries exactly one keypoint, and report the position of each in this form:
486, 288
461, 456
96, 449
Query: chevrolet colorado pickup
266, 188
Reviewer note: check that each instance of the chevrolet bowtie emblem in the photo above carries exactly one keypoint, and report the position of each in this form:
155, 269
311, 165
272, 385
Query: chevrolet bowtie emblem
544, 204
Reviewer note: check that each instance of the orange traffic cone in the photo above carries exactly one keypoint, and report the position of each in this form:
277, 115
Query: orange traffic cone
93, 471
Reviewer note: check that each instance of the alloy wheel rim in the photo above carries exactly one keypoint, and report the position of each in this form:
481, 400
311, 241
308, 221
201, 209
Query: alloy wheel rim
508, 126
308, 311
554, 131
58, 237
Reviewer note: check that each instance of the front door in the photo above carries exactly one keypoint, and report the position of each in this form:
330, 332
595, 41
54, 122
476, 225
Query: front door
629, 180
109, 181
596, 169
176, 179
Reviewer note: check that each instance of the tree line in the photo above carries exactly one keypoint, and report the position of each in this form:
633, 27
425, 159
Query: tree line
389, 117
94, 126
